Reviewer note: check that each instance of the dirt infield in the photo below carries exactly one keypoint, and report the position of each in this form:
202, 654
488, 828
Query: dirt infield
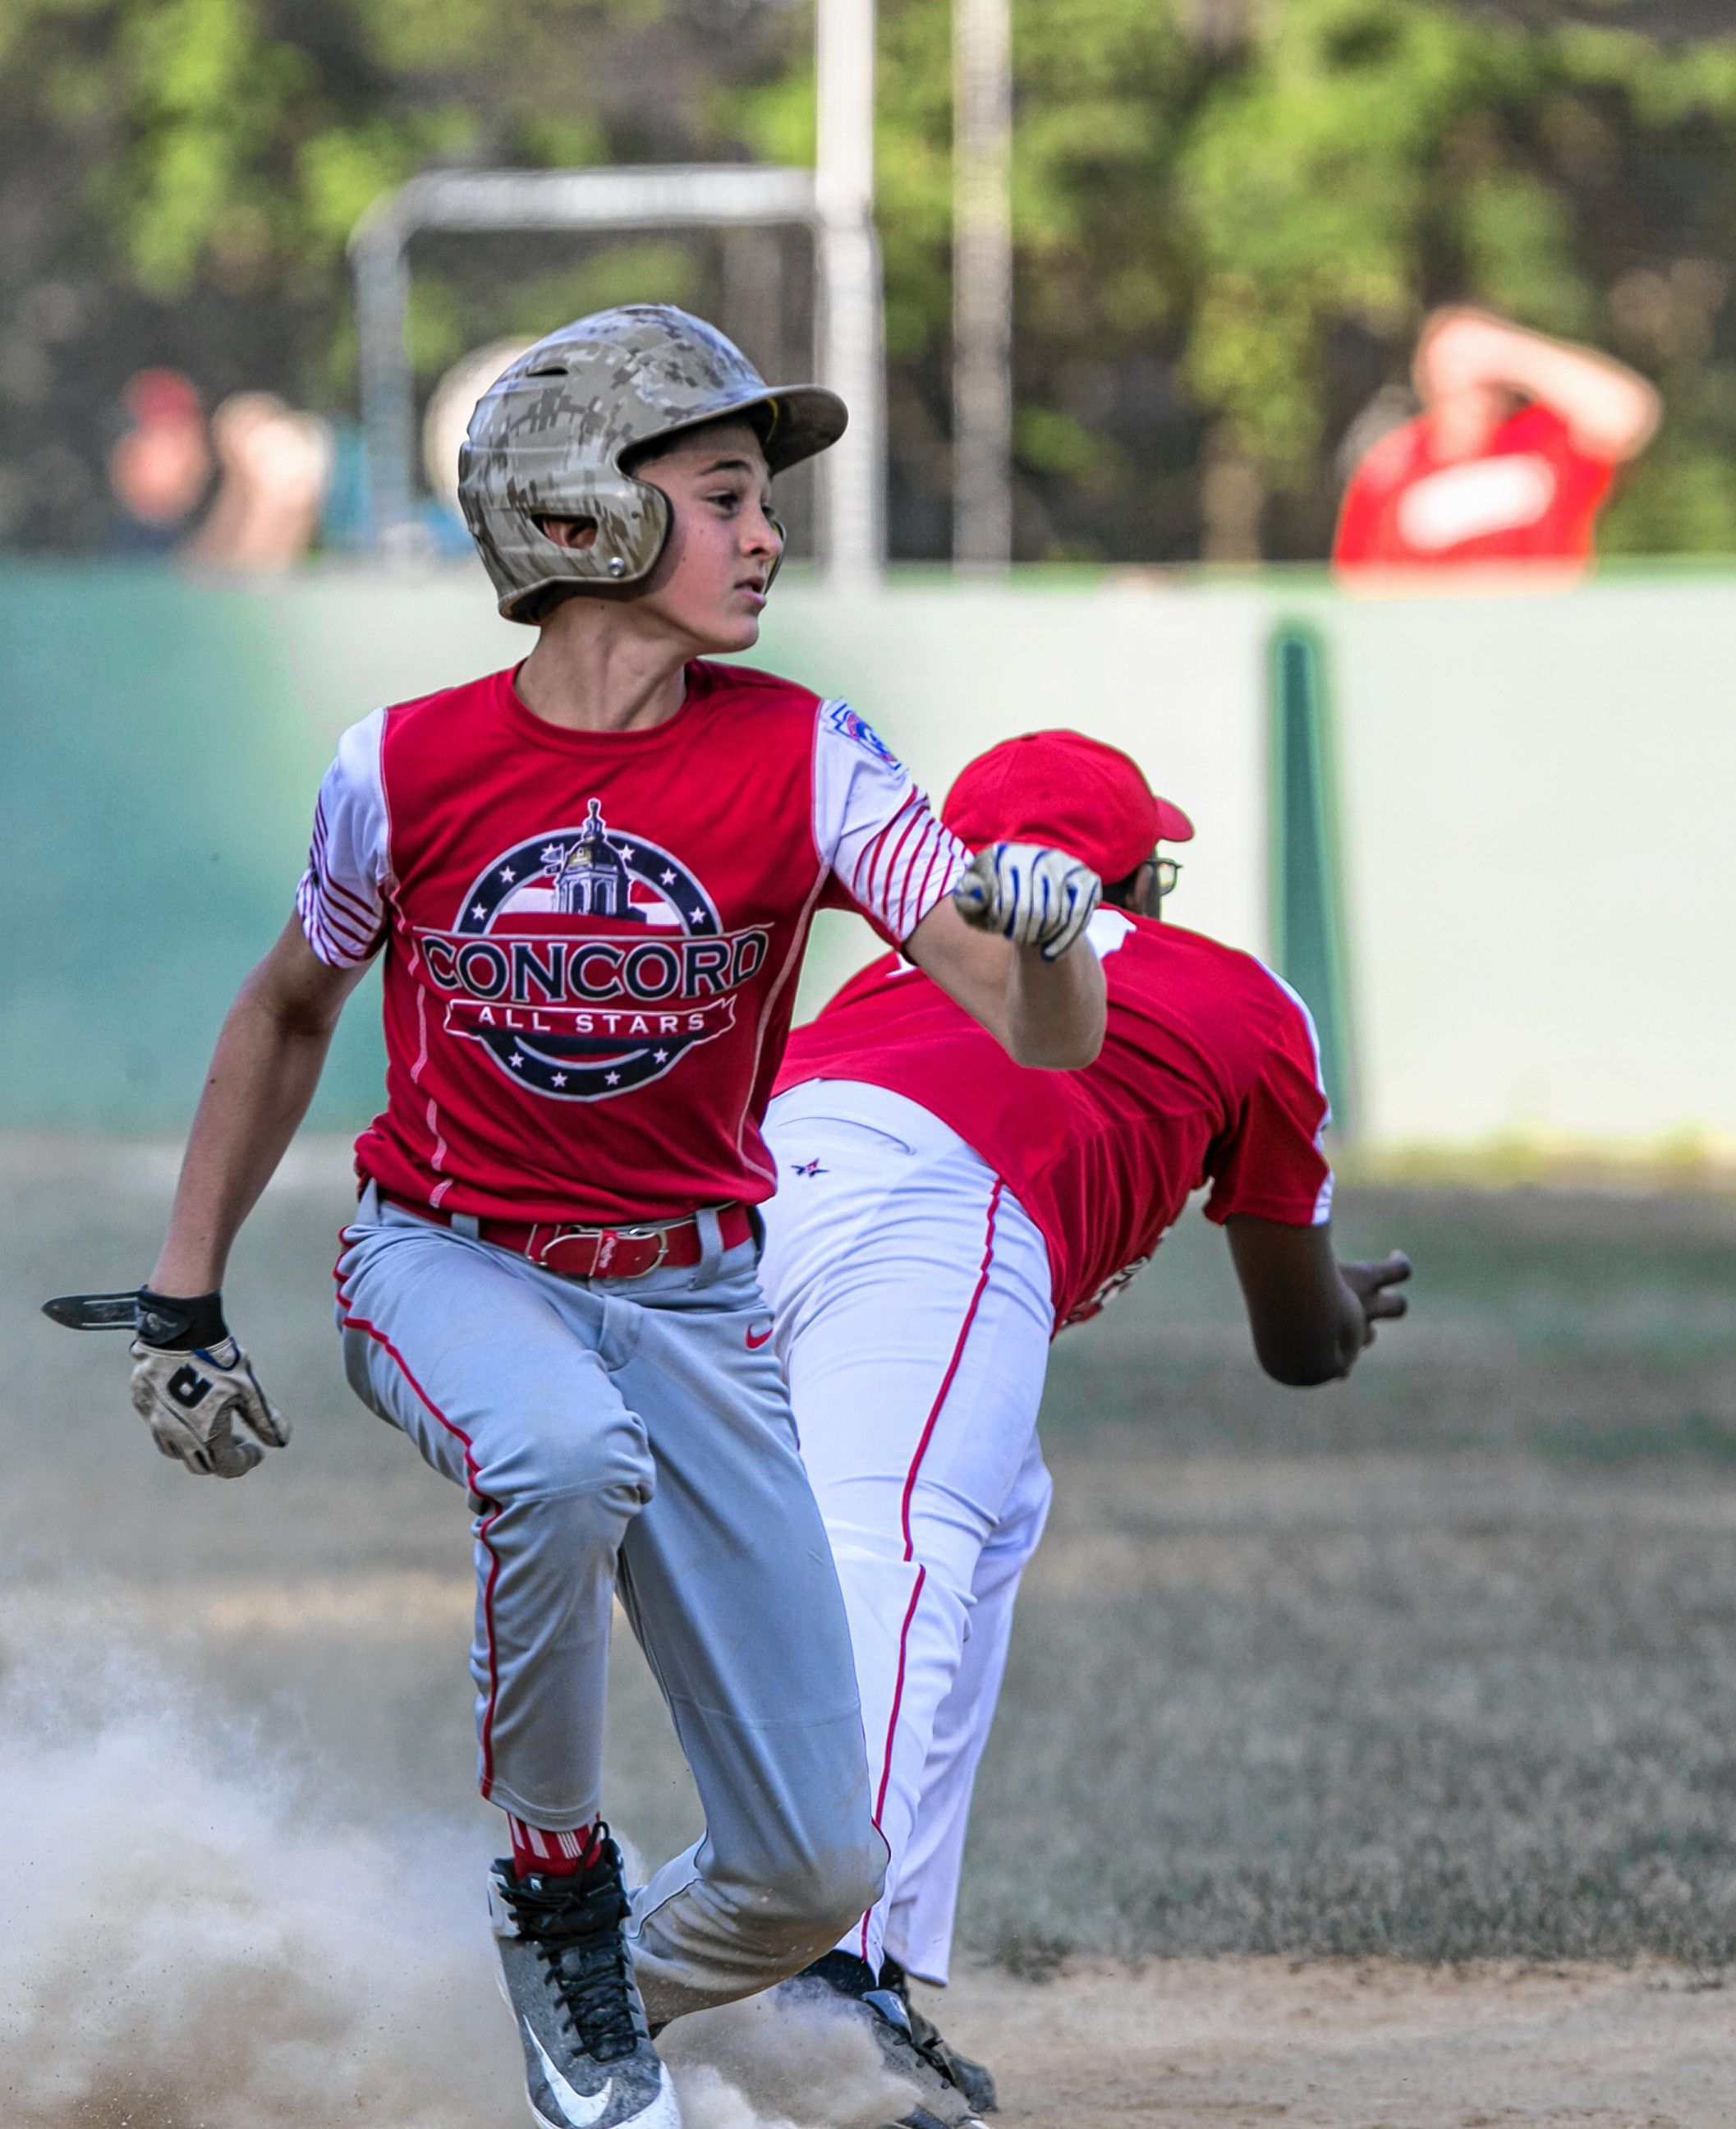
1218, 2044
1367, 1758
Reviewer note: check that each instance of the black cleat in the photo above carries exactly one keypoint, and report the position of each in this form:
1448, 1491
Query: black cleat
564, 1971
973, 2078
940, 2102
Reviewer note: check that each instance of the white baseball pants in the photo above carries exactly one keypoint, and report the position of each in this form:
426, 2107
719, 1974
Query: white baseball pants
911, 1295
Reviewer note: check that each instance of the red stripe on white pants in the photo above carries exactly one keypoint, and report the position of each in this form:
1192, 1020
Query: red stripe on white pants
927, 1436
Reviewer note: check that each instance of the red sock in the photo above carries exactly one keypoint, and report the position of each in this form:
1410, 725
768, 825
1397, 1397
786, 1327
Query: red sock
559, 1855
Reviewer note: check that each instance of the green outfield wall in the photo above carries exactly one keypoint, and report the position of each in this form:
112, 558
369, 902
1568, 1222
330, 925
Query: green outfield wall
1485, 835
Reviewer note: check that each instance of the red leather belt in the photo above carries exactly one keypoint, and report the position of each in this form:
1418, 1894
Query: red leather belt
576, 1252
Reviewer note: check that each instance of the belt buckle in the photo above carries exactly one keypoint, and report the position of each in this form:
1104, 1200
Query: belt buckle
603, 1250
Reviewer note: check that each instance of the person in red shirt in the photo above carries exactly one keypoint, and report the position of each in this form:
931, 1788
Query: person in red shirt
1512, 457
590, 879
942, 1214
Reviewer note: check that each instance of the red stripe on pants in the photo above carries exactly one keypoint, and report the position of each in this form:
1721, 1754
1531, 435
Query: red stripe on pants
380, 1339
910, 1487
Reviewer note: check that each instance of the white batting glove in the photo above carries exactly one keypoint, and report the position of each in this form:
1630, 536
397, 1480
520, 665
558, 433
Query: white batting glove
1035, 896
191, 1401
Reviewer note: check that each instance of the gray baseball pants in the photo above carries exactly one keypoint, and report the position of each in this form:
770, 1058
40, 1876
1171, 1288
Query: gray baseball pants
629, 1435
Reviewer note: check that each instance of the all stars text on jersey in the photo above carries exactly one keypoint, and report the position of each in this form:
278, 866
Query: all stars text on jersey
563, 985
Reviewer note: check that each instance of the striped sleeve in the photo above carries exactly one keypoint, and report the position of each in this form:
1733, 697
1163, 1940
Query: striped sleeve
341, 900
873, 827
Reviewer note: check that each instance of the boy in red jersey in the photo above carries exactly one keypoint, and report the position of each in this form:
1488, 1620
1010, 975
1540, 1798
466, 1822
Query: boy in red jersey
1514, 455
941, 1213
592, 878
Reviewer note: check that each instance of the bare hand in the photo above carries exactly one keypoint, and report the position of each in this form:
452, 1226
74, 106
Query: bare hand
1371, 1283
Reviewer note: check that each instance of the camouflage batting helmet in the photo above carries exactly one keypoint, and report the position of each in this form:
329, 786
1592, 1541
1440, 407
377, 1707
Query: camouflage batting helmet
547, 439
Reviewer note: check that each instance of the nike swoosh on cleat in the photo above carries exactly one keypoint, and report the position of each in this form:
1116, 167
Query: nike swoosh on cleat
574, 2106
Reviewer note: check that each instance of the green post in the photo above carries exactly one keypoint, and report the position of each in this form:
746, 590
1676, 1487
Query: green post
1305, 876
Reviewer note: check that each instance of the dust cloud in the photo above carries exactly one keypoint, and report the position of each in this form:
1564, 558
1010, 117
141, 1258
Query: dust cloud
764, 2064
189, 1940
188, 1944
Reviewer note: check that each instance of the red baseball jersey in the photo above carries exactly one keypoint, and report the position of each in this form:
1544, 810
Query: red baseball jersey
591, 939
1209, 1073
1533, 496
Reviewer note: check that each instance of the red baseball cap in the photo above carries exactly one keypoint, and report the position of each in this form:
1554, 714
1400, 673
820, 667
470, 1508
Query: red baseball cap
1071, 791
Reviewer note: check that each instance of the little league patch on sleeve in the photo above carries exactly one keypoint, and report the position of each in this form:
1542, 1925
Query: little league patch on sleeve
844, 722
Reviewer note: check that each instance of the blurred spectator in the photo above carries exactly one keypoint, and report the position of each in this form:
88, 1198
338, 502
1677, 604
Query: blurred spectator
275, 465
451, 404
444, 426
1510, 459
347, 523
161, 466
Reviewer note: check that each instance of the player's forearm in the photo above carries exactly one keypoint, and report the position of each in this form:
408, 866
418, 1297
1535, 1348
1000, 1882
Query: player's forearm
1308, 1320
1055, 1010
1610, 408
1312, 1348
1349, 1332
263, 1074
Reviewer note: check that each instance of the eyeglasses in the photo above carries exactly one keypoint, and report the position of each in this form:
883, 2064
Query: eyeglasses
1169, 871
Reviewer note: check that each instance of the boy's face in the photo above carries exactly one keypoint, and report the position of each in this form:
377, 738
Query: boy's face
711, 581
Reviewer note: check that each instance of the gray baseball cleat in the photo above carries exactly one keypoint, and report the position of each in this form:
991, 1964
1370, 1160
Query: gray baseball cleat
940, 2102
974, 2080
565, 1974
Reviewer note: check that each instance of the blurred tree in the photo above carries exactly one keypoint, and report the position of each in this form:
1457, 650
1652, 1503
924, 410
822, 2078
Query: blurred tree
1361, 160
1231, 216
181, 177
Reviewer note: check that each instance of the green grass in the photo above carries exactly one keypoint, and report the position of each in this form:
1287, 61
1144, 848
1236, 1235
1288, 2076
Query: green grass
1569, 1325
1440, 1662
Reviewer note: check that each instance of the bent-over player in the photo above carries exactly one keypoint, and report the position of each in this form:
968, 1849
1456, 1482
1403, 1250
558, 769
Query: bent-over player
941, 1212
591, 879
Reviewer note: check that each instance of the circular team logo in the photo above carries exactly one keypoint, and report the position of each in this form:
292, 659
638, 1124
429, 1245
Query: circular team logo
588, 962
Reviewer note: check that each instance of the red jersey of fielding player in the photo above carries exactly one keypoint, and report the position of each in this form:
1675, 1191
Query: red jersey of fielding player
940, 1211
1512, 457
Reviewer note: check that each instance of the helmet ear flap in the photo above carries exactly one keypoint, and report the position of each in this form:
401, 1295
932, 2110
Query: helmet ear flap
657, 523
